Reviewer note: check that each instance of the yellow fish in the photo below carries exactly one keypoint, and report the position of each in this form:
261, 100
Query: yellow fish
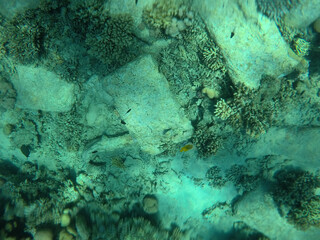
186, 148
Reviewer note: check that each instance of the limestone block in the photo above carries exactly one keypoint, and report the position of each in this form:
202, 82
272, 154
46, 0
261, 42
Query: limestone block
304, 14
146, 105
39, 89
250, 42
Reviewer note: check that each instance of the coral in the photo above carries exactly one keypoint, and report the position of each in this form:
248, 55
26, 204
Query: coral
294, 193
213, 58
172, 17
24, 135
161, 13
150, 204
294, 186
301, 47
112, 41
243, 231
29, 195
307, 214
276, 9
224, 111
178, 234
207, 140
211, 93
23, 37
139, 228
86, 14
242, 179
249, 110
49, 5
108, 37
68, 131
7, 94
215, 177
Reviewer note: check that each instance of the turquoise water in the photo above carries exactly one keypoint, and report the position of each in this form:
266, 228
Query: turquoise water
145, 119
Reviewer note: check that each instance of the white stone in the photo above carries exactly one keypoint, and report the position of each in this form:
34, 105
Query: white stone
144, 102
40, 89
256, 47
304, 14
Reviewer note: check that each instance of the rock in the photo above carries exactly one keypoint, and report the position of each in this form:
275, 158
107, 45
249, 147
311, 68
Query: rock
147, 107
250, 42
43, 234
39, 89
304, 14
150, 204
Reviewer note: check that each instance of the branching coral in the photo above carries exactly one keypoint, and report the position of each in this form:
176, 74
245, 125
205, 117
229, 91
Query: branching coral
215, 177
206, 140
294, 186
307, 214
294, 192
242, 179
23, 37
111, 41
213, 58
245, 111
139, 228
172, 17
108, 37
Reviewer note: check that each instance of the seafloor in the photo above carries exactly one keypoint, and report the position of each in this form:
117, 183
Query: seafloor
159, 119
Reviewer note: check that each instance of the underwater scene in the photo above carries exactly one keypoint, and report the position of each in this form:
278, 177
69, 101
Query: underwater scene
160, 119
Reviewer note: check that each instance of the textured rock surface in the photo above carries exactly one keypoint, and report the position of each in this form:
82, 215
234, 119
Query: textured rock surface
256, 47
39, 89
155, 118
304, 14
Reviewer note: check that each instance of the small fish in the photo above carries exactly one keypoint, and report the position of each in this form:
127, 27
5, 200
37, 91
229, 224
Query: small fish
136, 2
186, 148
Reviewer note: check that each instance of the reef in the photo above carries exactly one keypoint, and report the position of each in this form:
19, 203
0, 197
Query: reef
148, 120
294, 193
